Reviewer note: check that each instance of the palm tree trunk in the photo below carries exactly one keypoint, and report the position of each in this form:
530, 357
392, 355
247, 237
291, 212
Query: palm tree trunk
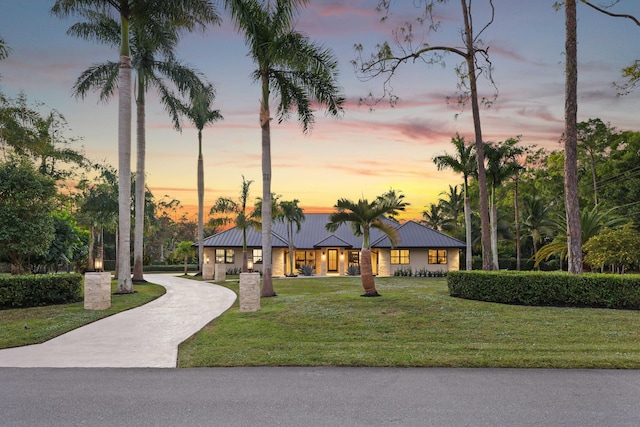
572, 203
200, 204
517, 218
90, 259
124, 173
494, 230
366, 273
138, 235
265, 119
482, 177
290, 240
467, 224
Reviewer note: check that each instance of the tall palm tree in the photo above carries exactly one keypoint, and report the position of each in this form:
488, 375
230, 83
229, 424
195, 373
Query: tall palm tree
201, 114
362, 216
236, 211
298, 70
153, 60
500, 167
452, 206
186, 13
462, 161
291, 214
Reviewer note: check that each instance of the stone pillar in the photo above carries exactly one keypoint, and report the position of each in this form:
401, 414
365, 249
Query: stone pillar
221, 272
249, 292
97, 291
207, 271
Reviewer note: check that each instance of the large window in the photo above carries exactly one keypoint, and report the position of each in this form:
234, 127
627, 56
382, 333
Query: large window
225, 256
437, 256
399, 256
257, 256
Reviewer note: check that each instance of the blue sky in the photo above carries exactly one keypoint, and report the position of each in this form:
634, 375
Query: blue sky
365, 152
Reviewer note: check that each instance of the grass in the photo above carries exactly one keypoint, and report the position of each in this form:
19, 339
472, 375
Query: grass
24, 326
324, 322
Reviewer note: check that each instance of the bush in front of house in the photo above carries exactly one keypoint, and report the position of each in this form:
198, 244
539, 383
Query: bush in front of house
33, 290
306, 270
547, 288
353, 270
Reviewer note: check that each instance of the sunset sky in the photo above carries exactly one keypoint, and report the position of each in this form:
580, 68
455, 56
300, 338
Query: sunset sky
366, 152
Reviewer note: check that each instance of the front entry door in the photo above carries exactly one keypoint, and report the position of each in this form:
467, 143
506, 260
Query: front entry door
332, 261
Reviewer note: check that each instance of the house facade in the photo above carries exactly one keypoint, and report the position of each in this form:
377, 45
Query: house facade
326, 253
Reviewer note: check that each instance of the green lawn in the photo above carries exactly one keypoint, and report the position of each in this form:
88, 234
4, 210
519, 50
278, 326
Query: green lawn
324, 322
23, 326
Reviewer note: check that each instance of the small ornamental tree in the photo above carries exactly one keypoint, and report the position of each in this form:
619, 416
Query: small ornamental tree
619, 249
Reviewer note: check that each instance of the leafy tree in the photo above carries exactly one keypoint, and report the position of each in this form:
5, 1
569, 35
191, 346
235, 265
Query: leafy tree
593, 139
142, 13
362, 216
26, 202
297, 70
185, 251
4, 49
200, 114
291, 214
69, 244
618, 248
462, 161
229, 210
386, 61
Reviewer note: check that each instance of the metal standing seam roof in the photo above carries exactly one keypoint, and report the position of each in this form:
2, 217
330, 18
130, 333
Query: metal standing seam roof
313, 234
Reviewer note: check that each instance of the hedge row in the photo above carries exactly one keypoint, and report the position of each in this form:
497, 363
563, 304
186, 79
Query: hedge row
547, 288
39, 289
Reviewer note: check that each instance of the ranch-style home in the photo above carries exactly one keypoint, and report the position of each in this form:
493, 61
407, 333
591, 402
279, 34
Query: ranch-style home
329, 253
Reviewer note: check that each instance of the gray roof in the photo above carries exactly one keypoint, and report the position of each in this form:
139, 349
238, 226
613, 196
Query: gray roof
313, 234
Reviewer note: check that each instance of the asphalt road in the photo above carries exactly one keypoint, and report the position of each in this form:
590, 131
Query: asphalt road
318, 397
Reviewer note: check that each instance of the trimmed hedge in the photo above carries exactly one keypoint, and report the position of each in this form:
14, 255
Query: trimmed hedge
547, 288
39, 289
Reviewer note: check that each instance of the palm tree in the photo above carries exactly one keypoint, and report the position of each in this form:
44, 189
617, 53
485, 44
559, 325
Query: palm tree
236, 212
185, 251
500, 167
434, 217
592, 222
395, 199
186, 13
291, 213
153, 60
298, 70
462, 161
452, 206
362, 216
536, 220
201, 114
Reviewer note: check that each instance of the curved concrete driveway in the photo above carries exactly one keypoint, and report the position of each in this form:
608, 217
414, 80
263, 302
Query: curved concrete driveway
144, 337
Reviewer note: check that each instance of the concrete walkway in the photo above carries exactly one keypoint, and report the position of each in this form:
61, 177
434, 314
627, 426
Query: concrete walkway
144, 337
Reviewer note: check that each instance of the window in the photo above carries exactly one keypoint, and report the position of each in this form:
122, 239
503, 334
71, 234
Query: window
257, 256
225, 256
437, 256
399, 256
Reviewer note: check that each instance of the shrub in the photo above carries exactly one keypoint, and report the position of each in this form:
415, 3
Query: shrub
547, 289
234, 271
402, 271
41, 289
353, 270
306, 270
